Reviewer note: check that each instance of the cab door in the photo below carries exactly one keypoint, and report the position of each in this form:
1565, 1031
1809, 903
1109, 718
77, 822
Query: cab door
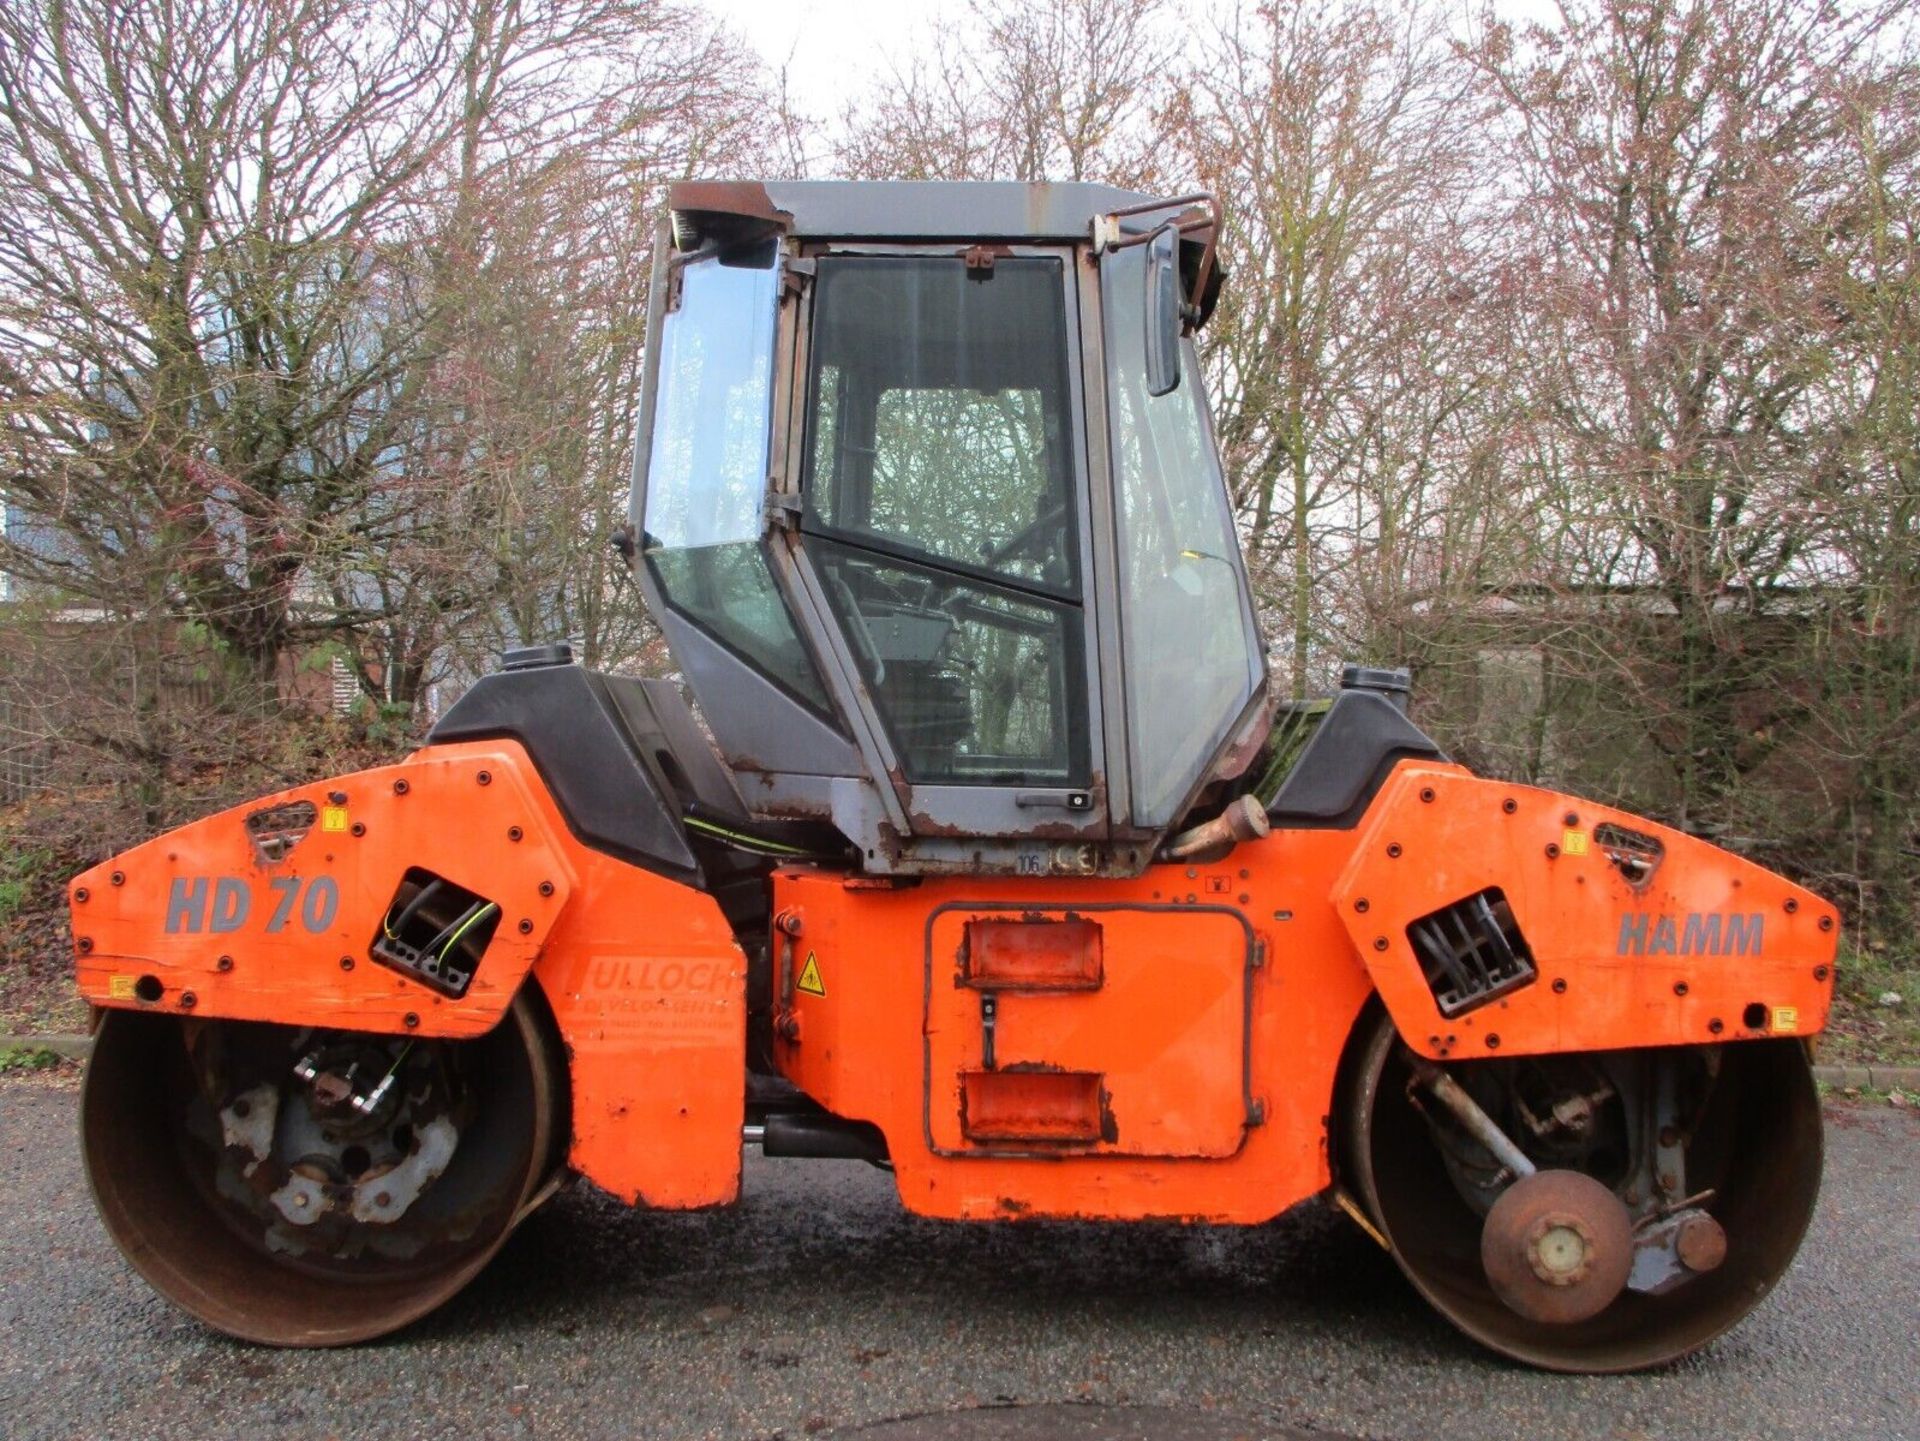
944, 531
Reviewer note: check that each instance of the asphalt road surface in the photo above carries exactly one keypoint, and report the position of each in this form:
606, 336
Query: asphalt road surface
817, 1308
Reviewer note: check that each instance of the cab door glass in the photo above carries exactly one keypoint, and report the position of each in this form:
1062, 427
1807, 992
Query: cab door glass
1192, 659
977, 684
941, 414
941, 508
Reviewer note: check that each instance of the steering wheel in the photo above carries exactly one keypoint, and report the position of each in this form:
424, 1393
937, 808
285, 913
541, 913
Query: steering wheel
1048, 520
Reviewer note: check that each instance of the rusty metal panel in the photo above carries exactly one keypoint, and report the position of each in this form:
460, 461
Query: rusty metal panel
1042, 954
1034, 1106
924, 209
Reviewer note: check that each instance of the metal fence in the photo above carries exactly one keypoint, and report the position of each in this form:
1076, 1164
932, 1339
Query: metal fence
26, 753
59, 705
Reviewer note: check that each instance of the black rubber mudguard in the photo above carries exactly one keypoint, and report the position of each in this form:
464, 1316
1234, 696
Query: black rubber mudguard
609, 777
1355, 747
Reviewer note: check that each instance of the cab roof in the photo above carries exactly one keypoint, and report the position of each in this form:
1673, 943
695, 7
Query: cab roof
973, 210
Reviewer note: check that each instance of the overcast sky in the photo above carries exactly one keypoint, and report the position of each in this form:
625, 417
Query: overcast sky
833, 48
835, 45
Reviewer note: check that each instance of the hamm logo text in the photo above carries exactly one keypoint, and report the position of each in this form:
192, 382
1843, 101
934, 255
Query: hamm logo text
1698, 933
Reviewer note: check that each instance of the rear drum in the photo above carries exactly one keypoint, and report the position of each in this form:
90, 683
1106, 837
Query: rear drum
1751, 1137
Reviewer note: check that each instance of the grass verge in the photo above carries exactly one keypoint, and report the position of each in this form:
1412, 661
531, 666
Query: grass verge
1865, 1027
15, 1059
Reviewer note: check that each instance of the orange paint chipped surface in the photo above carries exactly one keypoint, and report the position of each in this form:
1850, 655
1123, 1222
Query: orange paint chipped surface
1162, 1046
1214, 1036
207, 925
1165, 1030
651, 995
1636, 944
646, 984
1210, 1049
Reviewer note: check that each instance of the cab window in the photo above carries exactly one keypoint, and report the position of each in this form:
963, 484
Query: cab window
1192, 654
940, 494
707, 468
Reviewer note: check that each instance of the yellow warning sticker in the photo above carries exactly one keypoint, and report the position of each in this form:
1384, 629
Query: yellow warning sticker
1786, 1018
119, 988
333, 818
1573, 843
810, 981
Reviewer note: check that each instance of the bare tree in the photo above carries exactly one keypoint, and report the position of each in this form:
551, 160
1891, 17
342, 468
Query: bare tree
509, 479
1856, 749
197, 202
236, 241
1337, 137
1670, 153
1061, 90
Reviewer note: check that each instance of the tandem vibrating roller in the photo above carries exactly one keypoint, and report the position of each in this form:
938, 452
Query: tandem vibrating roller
991, 859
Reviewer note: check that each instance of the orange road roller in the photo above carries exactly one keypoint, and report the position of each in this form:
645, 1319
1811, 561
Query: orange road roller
969, 840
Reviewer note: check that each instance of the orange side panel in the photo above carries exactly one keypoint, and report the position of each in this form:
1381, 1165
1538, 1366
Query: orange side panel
651, 995
643, 976
1189, 1071
204, 921
1194, 1081
1164, 1029
1673, 943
